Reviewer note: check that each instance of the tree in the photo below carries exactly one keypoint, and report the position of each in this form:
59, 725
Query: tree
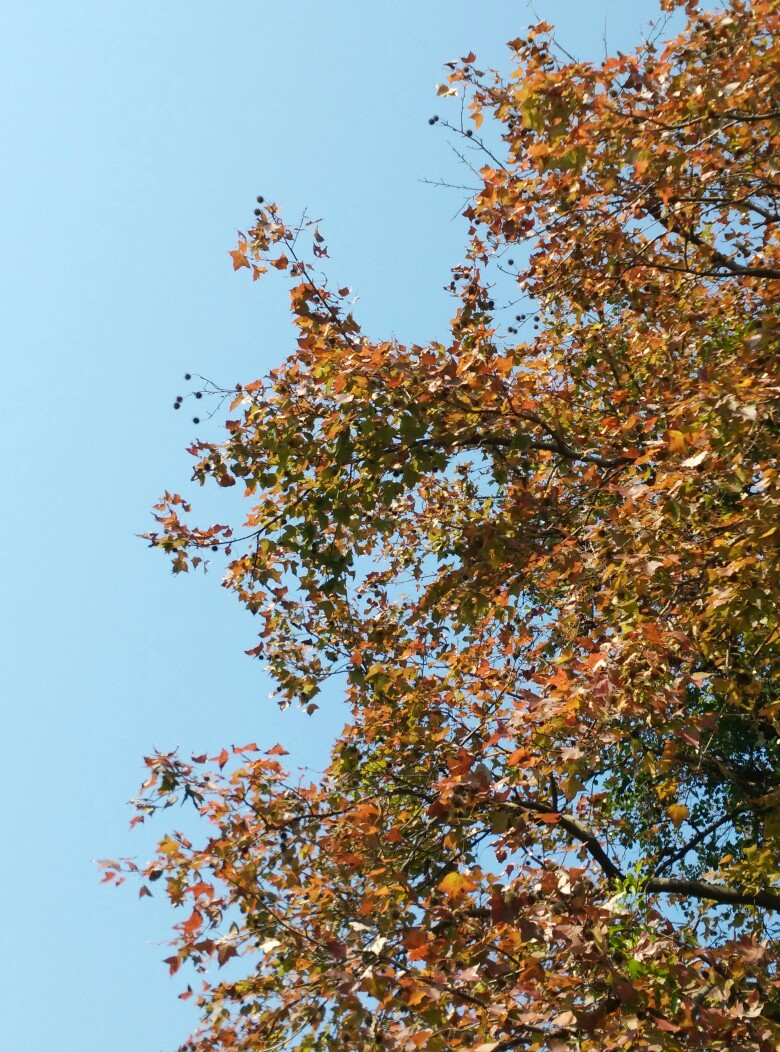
544, 563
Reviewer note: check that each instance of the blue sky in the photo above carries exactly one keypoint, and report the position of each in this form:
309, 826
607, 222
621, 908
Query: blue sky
136, 136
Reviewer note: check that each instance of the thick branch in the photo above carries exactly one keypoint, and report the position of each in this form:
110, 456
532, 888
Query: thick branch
592, 845
701, 889
559, 446
695, 889
669, 860
581, 832
667, 221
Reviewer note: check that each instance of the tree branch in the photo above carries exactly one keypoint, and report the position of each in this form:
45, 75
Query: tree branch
560, 447
701, 889
692, 238
695, 889
578, 830
666, 862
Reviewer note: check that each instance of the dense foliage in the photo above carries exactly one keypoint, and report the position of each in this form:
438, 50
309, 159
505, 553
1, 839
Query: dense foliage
543, 560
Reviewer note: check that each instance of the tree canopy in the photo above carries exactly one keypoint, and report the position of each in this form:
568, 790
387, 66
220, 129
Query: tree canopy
541, 558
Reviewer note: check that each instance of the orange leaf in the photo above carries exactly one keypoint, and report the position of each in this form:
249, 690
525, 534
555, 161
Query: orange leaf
239, 259
221, 759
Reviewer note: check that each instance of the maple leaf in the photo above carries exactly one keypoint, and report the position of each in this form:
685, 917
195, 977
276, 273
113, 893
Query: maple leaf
678, 814
455, 884
239, 259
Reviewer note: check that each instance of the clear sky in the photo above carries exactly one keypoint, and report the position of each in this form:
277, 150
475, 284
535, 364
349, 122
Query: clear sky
136, 135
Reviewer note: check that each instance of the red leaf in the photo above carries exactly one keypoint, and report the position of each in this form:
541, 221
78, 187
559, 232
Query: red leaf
193, 923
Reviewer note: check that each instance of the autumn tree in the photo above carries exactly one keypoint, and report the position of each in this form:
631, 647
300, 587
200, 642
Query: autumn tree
542, 560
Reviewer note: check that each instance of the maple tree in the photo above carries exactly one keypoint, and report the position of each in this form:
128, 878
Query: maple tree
542, 559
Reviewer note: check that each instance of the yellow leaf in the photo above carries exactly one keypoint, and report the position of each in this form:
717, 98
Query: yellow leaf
456, 884
676, 442
572, 785
678, 813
